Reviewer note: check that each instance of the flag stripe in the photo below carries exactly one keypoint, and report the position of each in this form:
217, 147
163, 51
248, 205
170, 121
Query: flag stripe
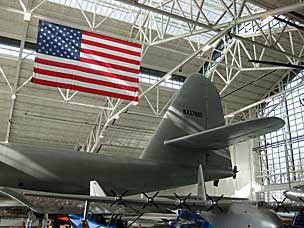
94, 43
83, 89
111, 39
85, 84
108, 51
114, 63
105, 64
84, 74
84, 79
85, 67
109, 56
106, 42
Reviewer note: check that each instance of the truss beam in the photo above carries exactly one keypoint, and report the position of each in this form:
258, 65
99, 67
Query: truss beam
164, 13
282, 52
18, 70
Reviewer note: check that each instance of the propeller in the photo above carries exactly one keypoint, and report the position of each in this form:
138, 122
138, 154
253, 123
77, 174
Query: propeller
280, 204
182, 201
235, 171
150, 200
119, 198
214, 203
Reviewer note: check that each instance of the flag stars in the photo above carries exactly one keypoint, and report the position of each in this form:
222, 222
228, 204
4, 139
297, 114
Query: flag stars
59, 41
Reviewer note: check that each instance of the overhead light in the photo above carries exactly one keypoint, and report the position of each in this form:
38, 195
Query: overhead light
268, 100
230, 115
13, 96
101, 136
206, 47
27, 16
167, 77
267, 19
116, 117
135, 103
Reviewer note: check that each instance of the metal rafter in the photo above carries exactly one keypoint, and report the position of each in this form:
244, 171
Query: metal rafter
26, 8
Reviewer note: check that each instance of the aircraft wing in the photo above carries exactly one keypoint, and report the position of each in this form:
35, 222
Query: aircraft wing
225, 136
54, 203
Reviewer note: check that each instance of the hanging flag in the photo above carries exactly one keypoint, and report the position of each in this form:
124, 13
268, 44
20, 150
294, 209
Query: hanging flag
85, 61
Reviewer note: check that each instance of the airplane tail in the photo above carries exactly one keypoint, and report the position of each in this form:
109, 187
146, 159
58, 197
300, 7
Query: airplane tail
196, 108
193, 130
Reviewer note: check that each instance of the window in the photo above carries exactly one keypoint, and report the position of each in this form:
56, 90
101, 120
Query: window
282, 152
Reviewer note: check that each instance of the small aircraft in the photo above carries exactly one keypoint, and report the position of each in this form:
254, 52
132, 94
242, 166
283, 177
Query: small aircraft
191, 135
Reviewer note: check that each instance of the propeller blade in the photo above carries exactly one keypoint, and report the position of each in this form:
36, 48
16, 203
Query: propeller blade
124, 193
284, 199
114, 193
209, 197
219, 207
274, 199
176, 196
123, 203
210, 208
155, 205
187, 207
221, 197
145, 195
155, 194
285, 209
187, 196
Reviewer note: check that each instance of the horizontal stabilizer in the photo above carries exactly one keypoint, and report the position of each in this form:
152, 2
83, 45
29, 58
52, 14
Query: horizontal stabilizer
225, 136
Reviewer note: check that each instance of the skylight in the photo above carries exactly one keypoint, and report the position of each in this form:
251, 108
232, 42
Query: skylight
213, 9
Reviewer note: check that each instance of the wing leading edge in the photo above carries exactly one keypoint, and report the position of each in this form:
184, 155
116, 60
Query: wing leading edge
225, 136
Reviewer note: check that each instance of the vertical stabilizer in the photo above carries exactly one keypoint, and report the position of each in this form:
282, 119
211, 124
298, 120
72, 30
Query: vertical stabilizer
196, 108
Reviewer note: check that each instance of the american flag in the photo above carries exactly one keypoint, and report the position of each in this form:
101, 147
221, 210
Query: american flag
85, 61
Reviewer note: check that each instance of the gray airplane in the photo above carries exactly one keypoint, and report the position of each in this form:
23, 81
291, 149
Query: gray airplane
192, 132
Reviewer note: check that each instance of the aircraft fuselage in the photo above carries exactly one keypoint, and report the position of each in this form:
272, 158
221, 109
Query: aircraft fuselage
52, 170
